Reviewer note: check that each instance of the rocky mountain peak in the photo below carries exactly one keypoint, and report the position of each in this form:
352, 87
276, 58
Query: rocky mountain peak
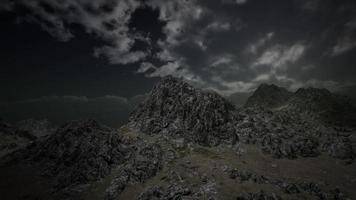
175, 107
268, 96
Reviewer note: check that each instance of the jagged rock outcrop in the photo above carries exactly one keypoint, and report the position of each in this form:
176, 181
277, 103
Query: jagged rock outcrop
339, 147
79, 152
83, 152
174, 107
287, 187
278, 133
145, 164
268, 96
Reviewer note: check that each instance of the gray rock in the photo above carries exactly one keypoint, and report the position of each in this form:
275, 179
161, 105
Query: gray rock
174, 105
79, 152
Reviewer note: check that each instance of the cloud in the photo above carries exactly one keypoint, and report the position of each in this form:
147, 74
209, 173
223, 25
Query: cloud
105, 19
177, 15
237, 2
218, 26
347, 40
120, 56
240, 1
310, 5
175, 69
254, 47
223, 60
190, 30
280, 56
343, 45
145, 66
227, 45
230, 87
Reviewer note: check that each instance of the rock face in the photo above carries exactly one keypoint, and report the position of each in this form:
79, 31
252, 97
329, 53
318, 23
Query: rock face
146, 163
79, 152
83, 152
176, 108
268, 96
278, 133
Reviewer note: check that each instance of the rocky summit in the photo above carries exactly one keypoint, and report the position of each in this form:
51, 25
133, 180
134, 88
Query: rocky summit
186, 143
268, 96
176, 108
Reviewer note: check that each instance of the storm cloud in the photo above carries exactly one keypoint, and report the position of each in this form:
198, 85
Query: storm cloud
227, 45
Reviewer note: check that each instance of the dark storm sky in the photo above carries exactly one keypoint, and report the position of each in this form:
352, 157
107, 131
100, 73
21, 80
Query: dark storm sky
119, 48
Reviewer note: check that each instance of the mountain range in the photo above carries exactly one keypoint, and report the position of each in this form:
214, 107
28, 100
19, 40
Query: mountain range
182, 142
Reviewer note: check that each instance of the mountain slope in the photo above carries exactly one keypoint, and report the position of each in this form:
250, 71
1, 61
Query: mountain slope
323, 105
82, 153
13, 138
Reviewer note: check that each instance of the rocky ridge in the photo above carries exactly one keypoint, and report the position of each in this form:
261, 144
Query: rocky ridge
312, 103
176, 109
186, 143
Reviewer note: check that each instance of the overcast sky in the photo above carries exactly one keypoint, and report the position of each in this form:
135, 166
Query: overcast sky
94, 49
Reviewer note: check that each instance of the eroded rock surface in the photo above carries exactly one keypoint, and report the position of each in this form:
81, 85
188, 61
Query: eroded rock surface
174, 107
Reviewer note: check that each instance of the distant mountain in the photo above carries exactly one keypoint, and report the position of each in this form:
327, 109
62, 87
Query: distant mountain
268, 96
239, 98
349, 91
136, 100
324, 105
315, 103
